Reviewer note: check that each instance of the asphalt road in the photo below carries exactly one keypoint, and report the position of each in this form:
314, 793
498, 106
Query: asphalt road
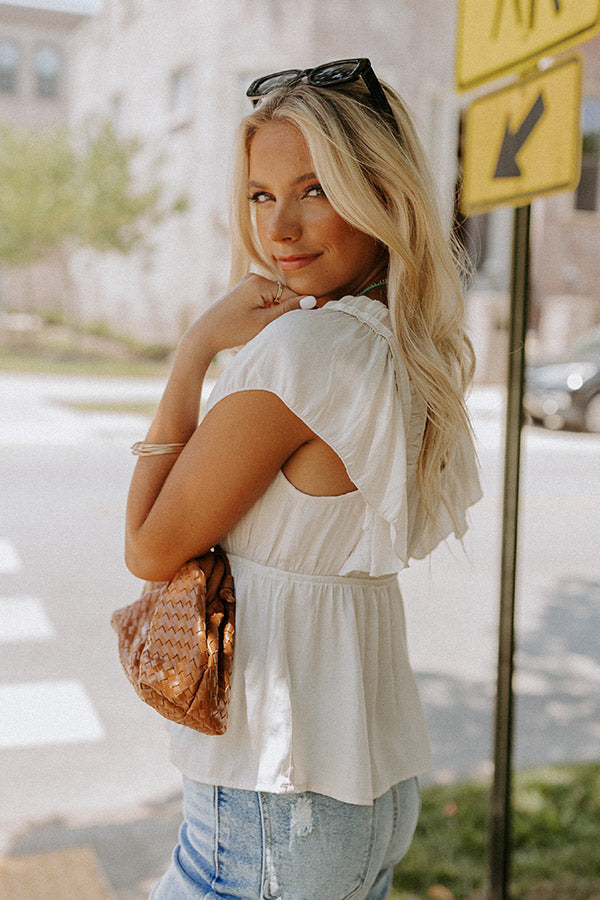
77, 746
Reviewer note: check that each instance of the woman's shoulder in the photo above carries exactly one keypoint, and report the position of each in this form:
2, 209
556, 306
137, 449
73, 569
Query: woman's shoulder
312, 354
306, 325
333, 331
302, 341
292, 327
346, 345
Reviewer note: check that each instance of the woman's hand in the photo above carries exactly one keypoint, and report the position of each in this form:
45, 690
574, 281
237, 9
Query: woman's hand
241, 314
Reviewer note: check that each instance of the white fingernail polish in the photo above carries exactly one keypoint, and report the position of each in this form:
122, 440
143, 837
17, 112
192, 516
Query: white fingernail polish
308, 302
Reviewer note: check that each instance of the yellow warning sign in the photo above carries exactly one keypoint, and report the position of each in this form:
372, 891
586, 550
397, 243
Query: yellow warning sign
500, 36
524, 140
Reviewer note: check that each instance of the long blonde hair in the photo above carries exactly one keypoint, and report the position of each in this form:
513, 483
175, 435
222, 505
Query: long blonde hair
384, 188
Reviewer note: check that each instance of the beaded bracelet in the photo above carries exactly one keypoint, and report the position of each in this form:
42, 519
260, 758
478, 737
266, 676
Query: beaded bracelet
141, 448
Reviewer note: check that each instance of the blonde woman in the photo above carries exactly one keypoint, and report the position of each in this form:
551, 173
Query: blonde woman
336, 447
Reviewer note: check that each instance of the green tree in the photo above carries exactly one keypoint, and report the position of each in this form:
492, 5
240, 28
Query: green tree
52, 190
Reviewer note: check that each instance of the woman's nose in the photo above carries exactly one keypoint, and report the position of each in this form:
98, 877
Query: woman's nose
284, 225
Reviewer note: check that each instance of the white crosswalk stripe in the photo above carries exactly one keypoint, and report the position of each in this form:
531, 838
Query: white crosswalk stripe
47, 712
10, 560
38, 712
24, 619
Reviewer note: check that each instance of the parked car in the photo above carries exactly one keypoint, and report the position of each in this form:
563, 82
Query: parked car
565, 393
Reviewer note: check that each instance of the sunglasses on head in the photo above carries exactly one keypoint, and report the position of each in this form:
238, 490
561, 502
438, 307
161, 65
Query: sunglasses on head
329, 75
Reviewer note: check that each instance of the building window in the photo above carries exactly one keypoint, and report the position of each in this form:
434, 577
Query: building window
47, 72
9, 66
587, 196
180, 93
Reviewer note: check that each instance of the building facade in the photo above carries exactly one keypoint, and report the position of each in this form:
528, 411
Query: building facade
35, 83
173, 73
34, 65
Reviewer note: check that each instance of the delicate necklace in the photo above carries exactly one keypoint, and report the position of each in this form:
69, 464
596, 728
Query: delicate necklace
372, 288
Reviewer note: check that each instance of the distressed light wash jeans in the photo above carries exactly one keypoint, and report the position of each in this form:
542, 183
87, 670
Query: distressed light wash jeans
262, 846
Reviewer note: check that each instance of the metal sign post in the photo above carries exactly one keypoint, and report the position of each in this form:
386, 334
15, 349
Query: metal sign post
520, 142
500, 816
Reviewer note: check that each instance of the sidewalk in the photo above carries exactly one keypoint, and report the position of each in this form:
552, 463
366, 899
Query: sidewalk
115, 859
35, 408
60, 874
119, 856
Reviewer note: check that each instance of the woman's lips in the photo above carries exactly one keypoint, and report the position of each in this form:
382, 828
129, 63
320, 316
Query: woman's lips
289, 263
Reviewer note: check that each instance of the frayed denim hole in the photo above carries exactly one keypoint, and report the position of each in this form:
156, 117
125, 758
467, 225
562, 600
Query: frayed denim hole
301, 818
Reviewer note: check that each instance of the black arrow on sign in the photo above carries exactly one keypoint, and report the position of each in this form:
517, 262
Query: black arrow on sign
507, 166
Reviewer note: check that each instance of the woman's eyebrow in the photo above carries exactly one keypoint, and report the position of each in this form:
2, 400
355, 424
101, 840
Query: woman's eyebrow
309, 176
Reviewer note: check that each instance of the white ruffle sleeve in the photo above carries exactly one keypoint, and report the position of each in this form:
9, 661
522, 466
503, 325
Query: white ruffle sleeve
339, 370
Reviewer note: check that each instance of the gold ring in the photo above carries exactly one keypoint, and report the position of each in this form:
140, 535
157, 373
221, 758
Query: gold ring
279, 292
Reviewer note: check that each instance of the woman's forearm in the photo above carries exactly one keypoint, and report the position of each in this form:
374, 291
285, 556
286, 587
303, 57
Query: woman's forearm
175, 421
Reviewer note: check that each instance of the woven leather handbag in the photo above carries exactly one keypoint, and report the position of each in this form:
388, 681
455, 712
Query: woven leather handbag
176, 643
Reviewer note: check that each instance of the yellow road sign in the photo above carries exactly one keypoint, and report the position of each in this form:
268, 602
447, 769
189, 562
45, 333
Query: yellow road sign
524, 140
500, 36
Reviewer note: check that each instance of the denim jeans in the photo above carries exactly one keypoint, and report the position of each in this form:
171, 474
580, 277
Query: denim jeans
263, 846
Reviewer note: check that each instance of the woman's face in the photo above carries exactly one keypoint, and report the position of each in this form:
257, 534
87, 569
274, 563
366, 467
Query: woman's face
308, 244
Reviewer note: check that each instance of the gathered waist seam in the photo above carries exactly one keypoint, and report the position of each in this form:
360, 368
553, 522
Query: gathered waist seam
308, 578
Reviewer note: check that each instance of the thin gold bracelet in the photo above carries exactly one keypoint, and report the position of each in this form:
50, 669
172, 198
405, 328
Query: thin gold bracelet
141, 448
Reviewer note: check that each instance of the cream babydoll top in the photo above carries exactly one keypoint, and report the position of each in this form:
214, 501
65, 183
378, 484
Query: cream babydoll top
323, 697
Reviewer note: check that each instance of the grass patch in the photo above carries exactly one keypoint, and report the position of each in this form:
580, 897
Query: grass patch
556, 835
46, 343
49, 344
36, 364
136, 408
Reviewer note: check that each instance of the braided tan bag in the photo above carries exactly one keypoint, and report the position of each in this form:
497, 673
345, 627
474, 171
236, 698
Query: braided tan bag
176, 643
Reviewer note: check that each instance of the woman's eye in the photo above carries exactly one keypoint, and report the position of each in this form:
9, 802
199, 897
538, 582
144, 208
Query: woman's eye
259, 197
315, 190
